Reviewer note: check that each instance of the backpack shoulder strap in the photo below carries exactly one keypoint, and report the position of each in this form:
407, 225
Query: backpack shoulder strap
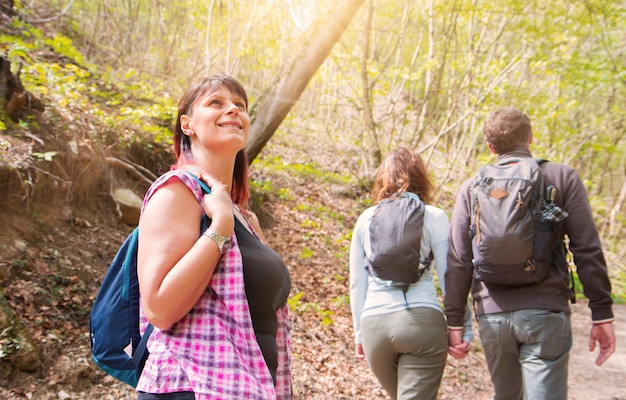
140, 355
205, 188
411, 195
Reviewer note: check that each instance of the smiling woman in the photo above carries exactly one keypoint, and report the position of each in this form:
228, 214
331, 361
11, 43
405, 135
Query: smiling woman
217, 125
215, 293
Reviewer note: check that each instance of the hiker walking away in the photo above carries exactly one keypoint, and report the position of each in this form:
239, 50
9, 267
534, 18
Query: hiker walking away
215, 296
523, 308
399, 327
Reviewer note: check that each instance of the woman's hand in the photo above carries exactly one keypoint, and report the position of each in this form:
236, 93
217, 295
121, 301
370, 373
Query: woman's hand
457, 348
358, 352
218, 206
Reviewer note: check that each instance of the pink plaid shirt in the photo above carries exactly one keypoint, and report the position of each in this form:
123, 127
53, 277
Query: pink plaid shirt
213, 351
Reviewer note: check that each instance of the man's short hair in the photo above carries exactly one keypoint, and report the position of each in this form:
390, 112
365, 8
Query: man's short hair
507, 128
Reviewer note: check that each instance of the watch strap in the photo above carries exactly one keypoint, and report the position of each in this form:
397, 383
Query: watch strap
223, 242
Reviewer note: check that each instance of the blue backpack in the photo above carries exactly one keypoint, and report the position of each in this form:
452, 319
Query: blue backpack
117, 346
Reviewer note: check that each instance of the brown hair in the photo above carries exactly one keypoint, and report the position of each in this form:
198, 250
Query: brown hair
507, 128
402, 171
240, 191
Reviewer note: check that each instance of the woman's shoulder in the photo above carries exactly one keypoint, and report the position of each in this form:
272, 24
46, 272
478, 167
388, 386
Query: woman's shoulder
176, 176
436, 223
367, 213
184, 176
435, 212
363, 220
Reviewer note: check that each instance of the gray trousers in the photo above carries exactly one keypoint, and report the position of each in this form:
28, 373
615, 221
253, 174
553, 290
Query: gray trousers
407, 351
527, 353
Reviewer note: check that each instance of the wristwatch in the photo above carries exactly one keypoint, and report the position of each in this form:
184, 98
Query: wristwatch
223, 242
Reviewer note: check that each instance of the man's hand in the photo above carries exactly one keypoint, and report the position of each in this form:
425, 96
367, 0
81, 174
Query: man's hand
457, 348
604, 334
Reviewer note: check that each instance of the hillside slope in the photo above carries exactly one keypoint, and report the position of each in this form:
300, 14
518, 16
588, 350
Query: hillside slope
53, 264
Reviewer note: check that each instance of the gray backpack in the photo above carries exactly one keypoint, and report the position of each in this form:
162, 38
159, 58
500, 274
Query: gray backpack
512, 244
396, 230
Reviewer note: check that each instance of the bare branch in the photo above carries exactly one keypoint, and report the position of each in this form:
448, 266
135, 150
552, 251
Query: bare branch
133, 169
53, 18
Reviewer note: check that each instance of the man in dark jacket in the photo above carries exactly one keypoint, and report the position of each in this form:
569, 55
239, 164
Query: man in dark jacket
525, 330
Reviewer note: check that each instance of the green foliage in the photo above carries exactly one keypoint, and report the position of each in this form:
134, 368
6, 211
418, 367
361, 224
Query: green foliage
284, 194
19, 262
341, 301
306, 252
63, 46
321, 211
294, 302
616, 274
262, 186
342, 244
326, 315
161, 115
618, 283
9, 340
17, 48
9, 344
335, 277
266, 187
578, 287
306, 171
77, 86
307, 223
618, 293
313, 170
67, 83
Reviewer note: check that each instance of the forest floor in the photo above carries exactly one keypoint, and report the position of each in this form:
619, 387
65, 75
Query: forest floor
51, 268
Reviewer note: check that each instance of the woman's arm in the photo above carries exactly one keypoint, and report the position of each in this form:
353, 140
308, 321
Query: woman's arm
440, 252
358, 276
175, 263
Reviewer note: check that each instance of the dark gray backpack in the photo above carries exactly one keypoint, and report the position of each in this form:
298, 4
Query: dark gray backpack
512, 244
396, 230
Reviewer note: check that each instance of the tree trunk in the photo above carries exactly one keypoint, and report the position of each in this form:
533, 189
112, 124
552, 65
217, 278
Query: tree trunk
368, 113
280, 96
14, 100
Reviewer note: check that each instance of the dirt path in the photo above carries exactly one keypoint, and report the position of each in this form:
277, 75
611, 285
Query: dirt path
587, 381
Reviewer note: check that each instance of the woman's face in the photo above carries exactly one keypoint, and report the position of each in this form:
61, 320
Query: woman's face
218, 119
